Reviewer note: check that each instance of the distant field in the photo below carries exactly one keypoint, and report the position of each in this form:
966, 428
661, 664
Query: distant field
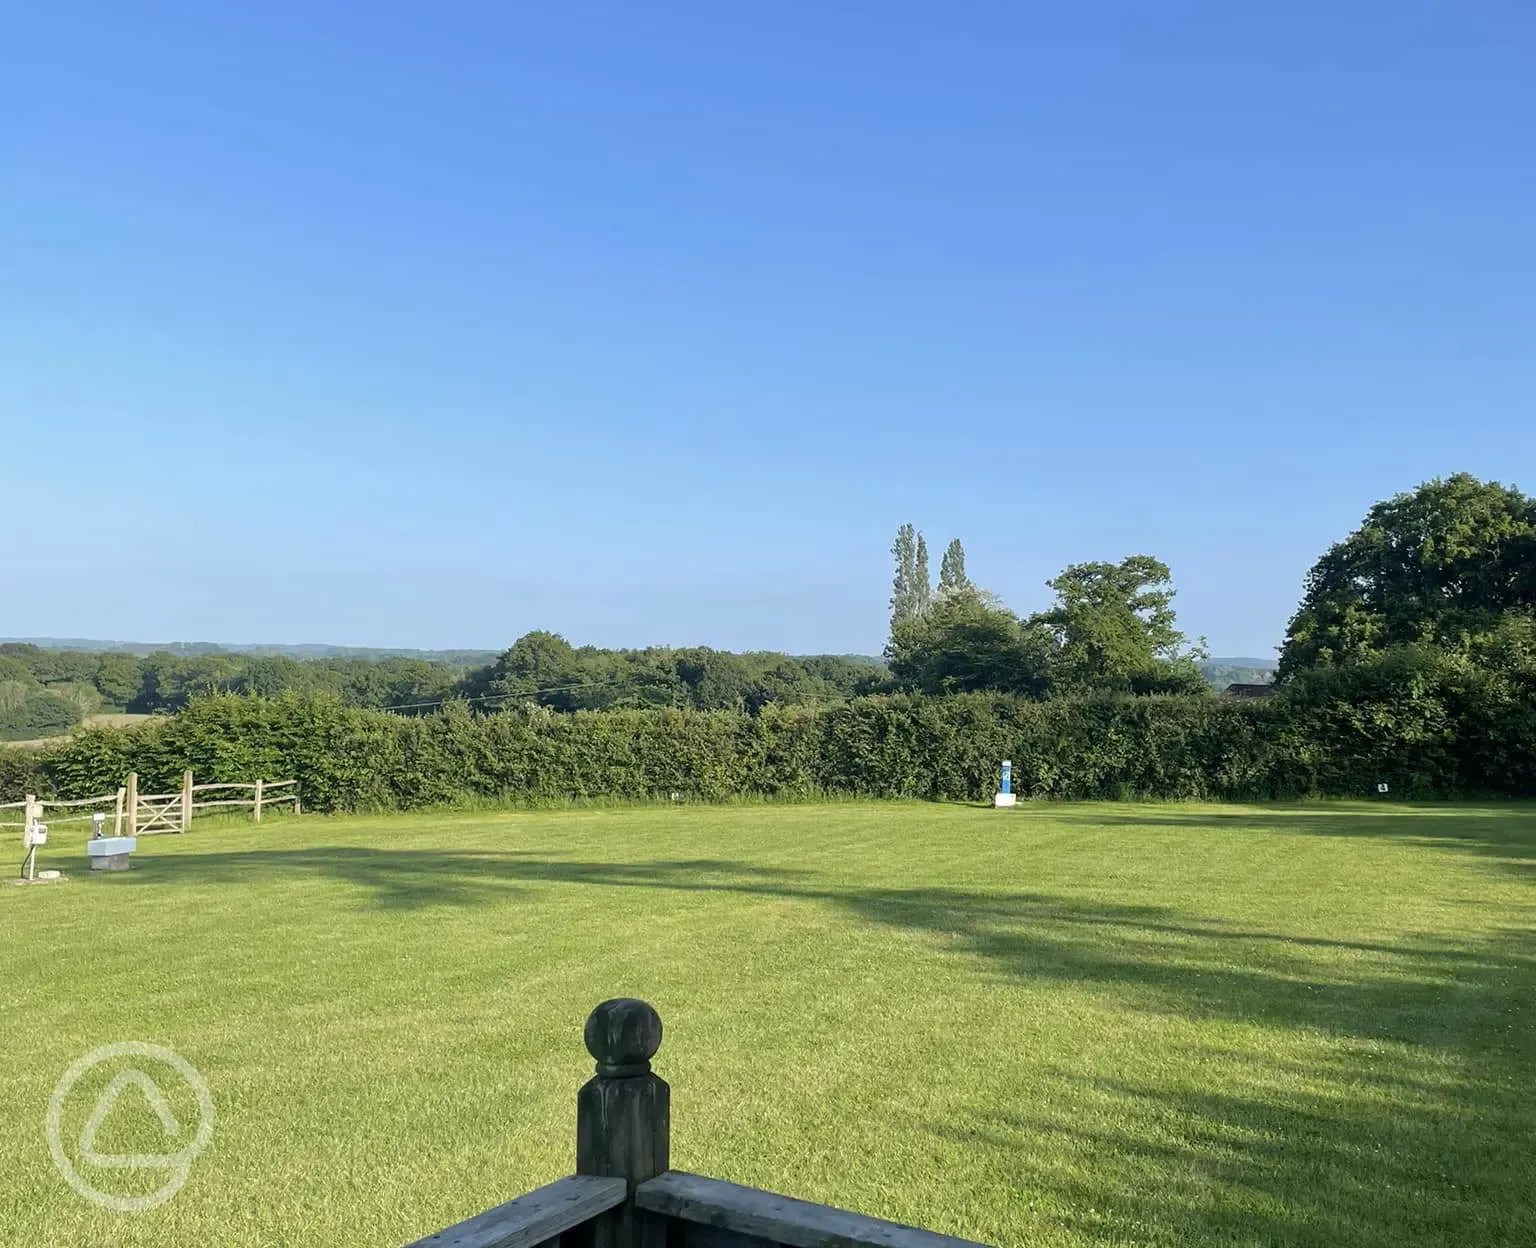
1063, 1025
115, 719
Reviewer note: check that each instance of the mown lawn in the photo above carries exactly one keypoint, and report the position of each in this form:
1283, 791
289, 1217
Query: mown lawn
1062, 1025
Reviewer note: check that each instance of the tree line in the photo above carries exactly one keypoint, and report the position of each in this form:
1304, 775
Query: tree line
1437, 582
54, 689
1112, 630
1411, 660
43, 692
1439, 579
1425, 733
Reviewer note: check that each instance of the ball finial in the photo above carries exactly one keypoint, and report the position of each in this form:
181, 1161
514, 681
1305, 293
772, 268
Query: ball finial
623, 1035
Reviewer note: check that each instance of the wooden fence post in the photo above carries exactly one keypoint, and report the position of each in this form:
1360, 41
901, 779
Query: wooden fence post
133, 803
257, 807
117, 821
624, 1117
186, 799
31, 812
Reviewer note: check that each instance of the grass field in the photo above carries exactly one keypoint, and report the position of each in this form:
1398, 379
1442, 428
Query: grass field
1063, 1025
106, 719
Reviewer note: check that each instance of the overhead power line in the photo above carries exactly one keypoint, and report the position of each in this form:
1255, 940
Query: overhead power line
530, 695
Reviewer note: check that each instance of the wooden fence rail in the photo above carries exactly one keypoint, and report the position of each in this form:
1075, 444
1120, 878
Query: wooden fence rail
624, 1193
147, 814
151, 813
35, 809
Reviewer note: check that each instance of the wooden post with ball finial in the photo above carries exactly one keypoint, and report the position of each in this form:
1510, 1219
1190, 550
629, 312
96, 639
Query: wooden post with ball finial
623, 1117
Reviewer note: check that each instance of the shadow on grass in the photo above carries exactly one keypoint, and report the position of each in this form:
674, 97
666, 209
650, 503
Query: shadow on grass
410, 879
1506, 833
1317, 1154
1151, 957
1416, 1127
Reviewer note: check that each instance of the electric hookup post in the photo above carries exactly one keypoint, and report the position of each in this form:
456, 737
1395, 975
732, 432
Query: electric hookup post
1005, 796
33, 835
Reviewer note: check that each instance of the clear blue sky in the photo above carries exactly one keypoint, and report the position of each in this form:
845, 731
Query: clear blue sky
427, 324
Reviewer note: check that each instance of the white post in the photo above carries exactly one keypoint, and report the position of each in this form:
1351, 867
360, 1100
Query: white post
257, 807
1004, 797
186, 799
31, 812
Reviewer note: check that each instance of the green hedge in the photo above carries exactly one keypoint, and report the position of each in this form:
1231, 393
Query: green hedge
1428, 728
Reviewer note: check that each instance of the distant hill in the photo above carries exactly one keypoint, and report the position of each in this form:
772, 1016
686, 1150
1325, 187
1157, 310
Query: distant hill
1219, 673
312, 650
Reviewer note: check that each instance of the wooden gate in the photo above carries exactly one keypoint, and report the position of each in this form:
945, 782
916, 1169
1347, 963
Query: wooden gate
158, 812
150, 813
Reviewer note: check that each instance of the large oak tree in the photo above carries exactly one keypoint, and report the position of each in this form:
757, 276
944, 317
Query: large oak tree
1451, 564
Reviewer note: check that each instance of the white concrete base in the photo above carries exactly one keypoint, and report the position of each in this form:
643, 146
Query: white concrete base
43, 877
1004, 800
110, 853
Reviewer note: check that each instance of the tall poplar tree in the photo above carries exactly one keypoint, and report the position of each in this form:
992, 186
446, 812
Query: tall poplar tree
904, 584
922, 585
952, 568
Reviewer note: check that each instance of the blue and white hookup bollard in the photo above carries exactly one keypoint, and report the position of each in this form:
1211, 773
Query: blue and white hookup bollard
1005, 795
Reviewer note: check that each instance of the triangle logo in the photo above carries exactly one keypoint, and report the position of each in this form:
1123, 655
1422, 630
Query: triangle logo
151, 1093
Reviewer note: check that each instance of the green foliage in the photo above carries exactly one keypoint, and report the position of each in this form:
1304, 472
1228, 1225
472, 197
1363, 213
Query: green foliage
1509, 646
1441, 565
21, 772
544, 668
40, 714
116, 679
14, 692
1115, 630
952, 575
540, 666
912, 592
1428, 724
1218, 675
967, 643
80, 694
922, 582
904, 592
1112, 631
15, 670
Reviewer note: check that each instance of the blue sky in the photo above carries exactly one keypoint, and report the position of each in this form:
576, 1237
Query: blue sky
424, 325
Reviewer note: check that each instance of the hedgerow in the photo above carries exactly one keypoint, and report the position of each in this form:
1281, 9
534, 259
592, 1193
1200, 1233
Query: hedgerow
1424, 725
